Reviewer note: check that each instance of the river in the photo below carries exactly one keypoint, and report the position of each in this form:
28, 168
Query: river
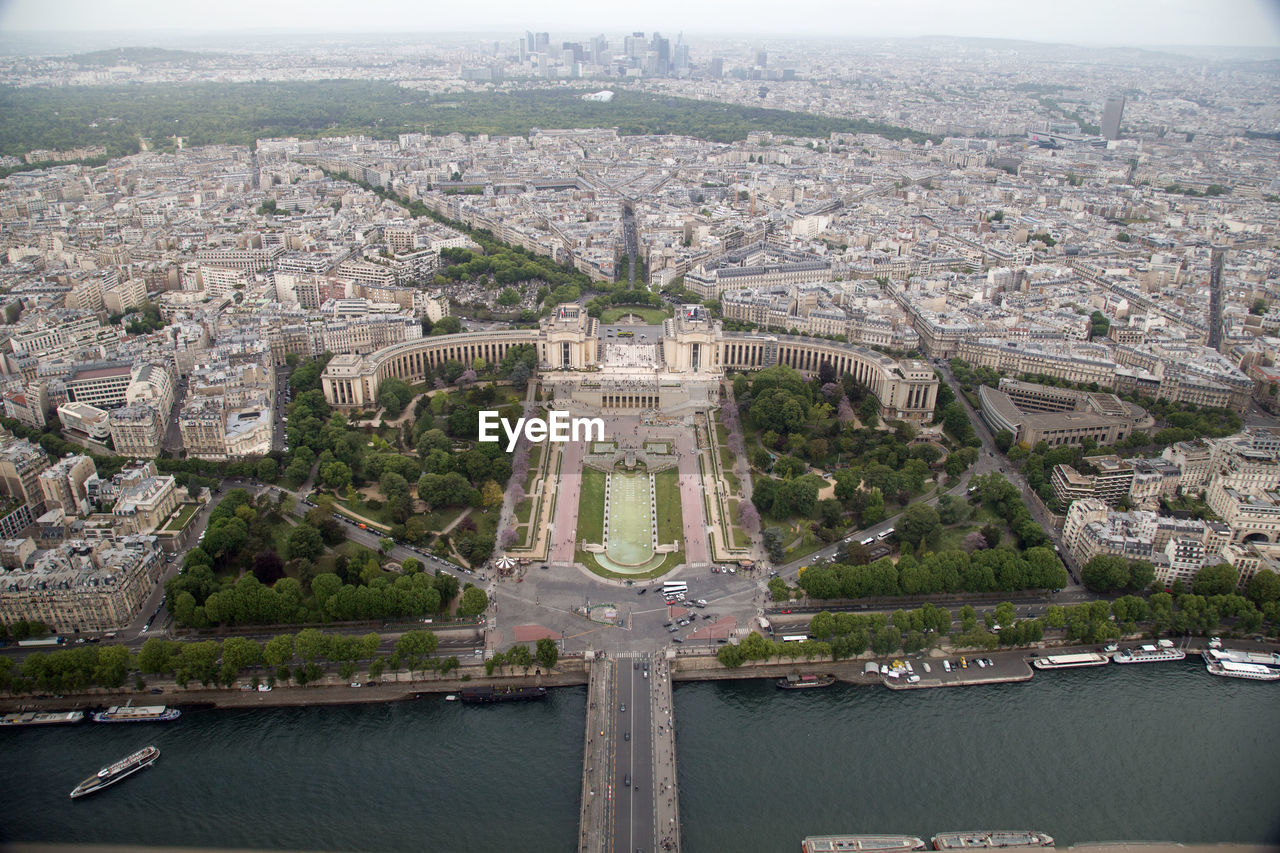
402, 776
1158, 751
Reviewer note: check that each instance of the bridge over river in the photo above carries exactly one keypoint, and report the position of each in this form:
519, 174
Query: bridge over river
629, 794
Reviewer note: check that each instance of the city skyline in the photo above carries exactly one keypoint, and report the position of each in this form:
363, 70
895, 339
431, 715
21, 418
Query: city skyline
1242, 23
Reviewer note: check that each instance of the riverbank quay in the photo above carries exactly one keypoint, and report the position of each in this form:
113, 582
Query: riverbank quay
1004, 669
1009, 666
569, 672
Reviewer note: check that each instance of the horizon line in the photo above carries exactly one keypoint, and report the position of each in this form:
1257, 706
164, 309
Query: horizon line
773, 36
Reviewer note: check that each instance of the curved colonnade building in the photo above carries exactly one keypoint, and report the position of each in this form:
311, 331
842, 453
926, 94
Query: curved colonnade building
671, 368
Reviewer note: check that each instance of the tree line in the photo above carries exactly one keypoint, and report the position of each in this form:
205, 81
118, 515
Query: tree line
239, 113
302, 657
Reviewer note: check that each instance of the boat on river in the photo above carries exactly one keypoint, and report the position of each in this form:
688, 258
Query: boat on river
851, 843
487, 695
1071, 661
803, 682
113, 773
136, 714
988, 839
1163, 651
34, 718
1252, 666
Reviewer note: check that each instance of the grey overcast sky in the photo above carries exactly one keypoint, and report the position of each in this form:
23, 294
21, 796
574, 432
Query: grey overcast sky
1105, 22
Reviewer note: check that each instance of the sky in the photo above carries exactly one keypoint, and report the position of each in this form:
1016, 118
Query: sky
1135, 23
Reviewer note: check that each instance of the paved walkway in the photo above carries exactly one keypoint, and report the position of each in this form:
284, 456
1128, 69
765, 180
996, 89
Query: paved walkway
507, 515
667, 803
568, 489
593, 821
696, 552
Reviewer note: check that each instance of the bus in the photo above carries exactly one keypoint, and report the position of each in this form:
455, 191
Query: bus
794, 638
672, 587
43, 641
886, 534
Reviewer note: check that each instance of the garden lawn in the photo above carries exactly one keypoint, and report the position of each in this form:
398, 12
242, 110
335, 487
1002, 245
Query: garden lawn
591, 507
670, 516
652, 316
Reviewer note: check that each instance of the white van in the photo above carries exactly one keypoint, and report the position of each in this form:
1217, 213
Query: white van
946, 664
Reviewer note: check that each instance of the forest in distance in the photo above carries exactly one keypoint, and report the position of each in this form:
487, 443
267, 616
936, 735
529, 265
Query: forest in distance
239, 113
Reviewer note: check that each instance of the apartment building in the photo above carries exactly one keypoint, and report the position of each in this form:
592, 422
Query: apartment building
28, 405
1193, 459
124, 295
102, 385
202, 424
145, 502
221, 282
1053, 428
63, 484
21, 463
86, 420
1251, 516
82, 587
246, 260
136, 430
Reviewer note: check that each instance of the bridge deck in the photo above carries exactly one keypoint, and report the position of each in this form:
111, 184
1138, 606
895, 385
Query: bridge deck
593, 833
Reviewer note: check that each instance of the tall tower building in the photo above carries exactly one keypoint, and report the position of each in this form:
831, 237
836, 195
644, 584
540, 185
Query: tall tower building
662, 47
1215, 298
1111, 113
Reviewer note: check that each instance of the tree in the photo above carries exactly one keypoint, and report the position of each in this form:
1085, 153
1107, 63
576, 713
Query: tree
474, 601
1141, 575
547, 653
1105, 573
268, 469
822, 625
774, 543
1216, 580
491, 494
393, 395
237, 654
777, 410
268, 567
156, 656
918, 524
385, 544
520, 376
730, 656
278, 651
1003, 440
952, 509
873, 508
305, 543
1263, 588
413, 648
336, 475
